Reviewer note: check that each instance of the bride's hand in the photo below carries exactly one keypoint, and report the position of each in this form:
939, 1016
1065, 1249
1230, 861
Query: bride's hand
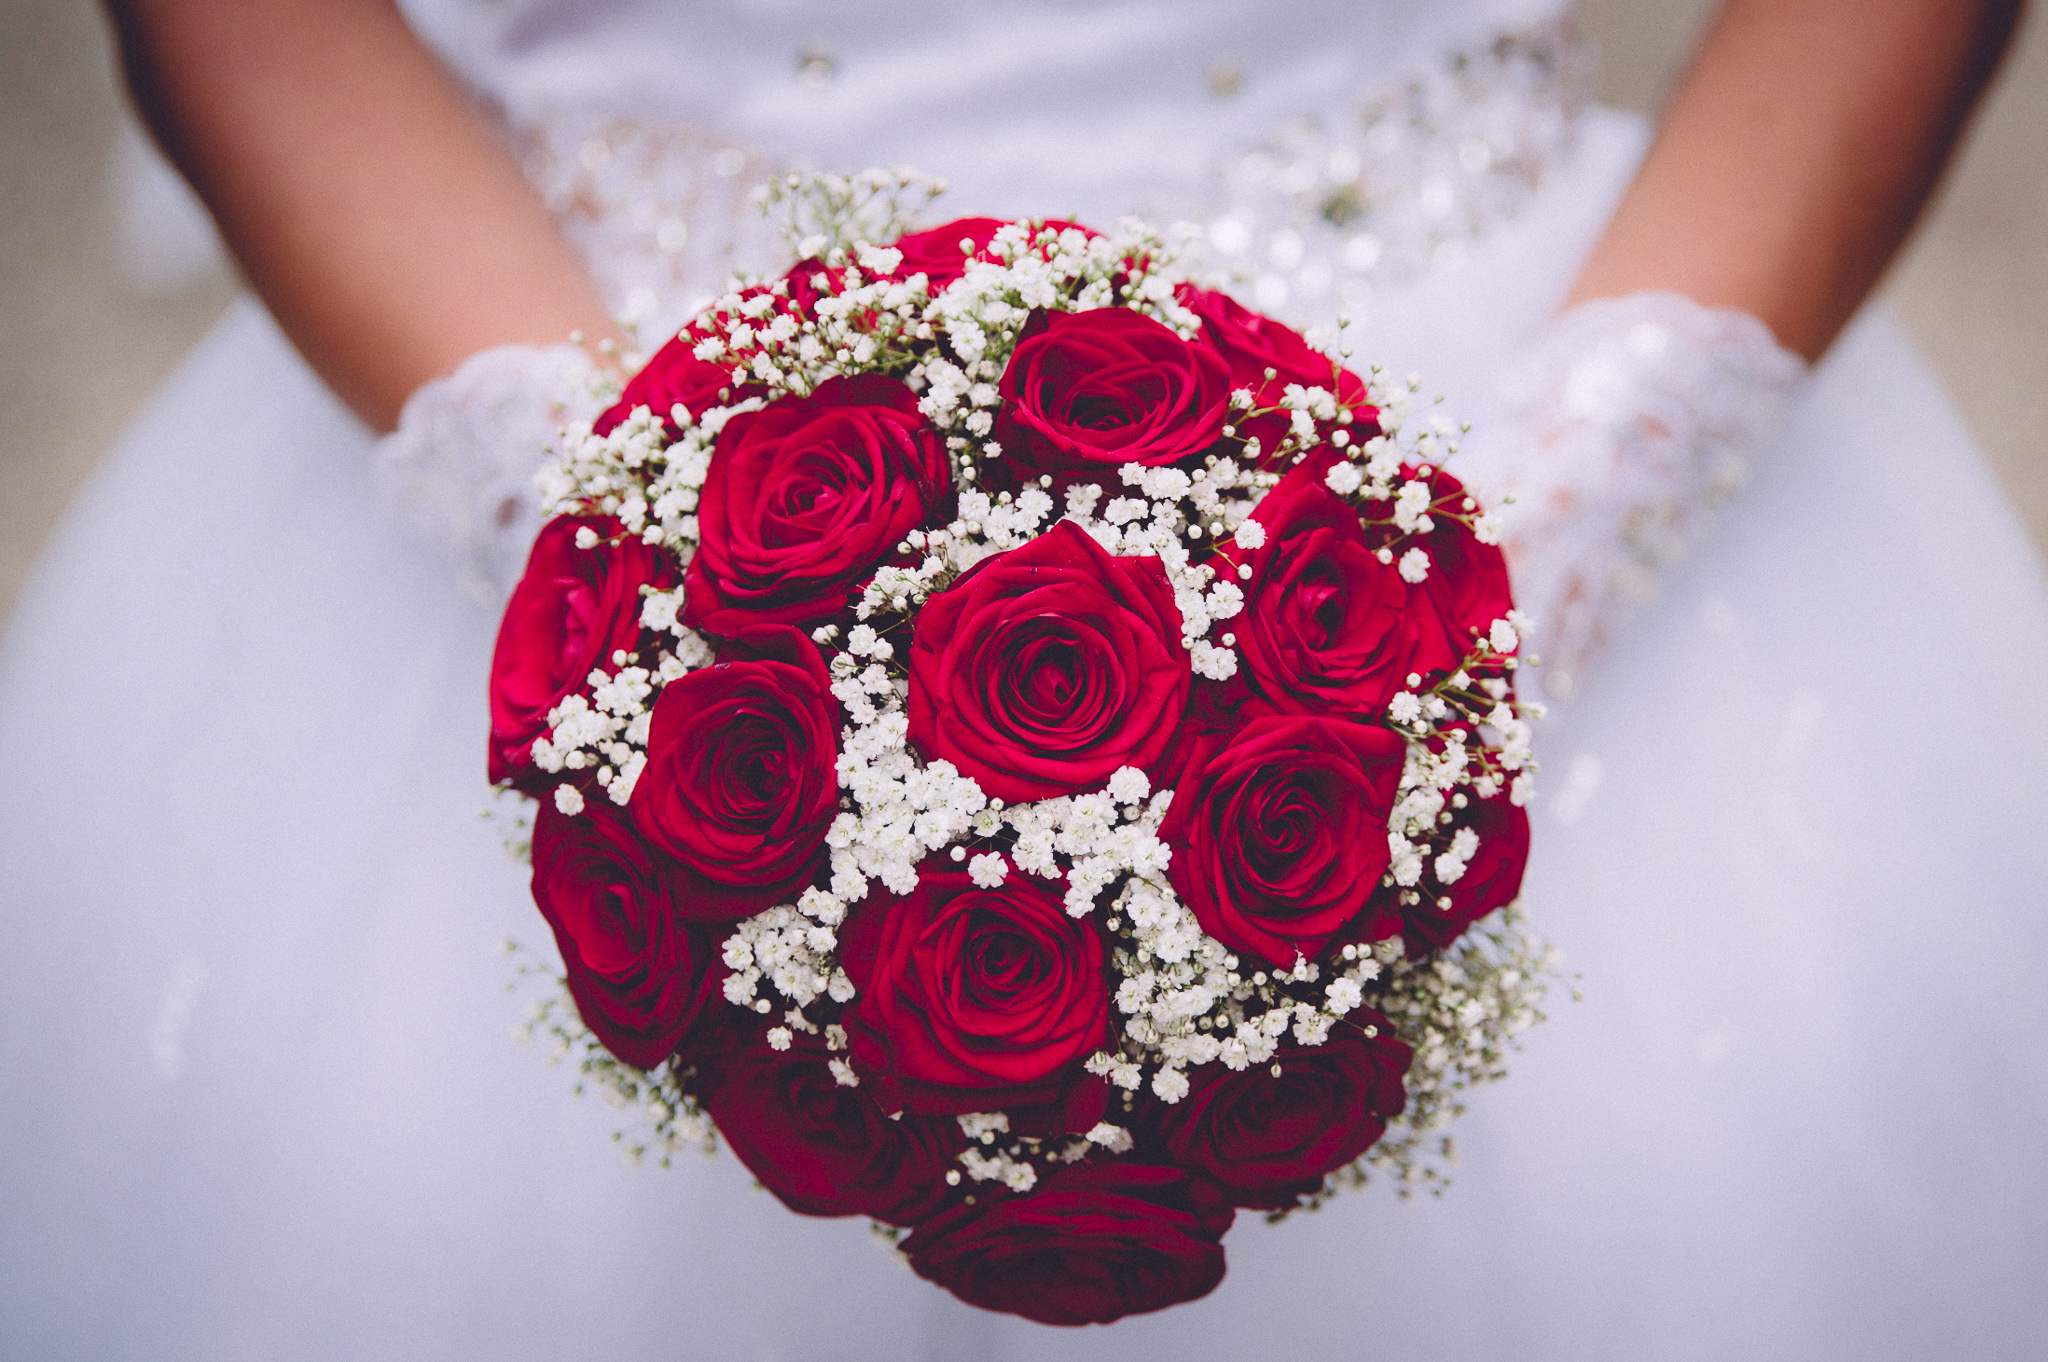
375, 211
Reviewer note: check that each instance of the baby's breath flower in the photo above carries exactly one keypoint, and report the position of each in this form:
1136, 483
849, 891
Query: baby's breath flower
1181, 1000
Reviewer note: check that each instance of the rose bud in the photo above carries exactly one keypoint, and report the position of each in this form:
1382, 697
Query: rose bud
1251, 344
1266, 1140
571, 611
739, 786
1044, 669
805, 498
1279, 831
639, 974
972, 999
1088, 391
1327, 627
822, 1147
1091, 1243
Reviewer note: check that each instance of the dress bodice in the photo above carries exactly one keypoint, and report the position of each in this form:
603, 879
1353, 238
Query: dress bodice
1006, 101
1326, 145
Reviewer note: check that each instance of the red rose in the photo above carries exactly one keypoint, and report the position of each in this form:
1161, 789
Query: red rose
1090, 1244
805, 288
805, 498
739, 786
1327, 627
1044, 669
1491, 878
938, 254
569, 613
1252, 344
674, 375
1092, 390
972, 999
1267, 1141
1279, 831
1468, 580
638, 973
824, 1148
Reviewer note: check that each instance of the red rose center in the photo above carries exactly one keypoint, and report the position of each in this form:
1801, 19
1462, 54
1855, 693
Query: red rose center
1051, 688
1005, 963
1113, 399
1281, 1115
1116, 397
1286, 818
809, 502
614, 947
827, 1110
1315, 610
748, 766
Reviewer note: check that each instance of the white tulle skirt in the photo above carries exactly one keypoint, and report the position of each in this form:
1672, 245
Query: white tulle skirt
261, 1099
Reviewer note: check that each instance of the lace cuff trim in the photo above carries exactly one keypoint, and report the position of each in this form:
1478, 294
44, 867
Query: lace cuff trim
462, 461
1623, 424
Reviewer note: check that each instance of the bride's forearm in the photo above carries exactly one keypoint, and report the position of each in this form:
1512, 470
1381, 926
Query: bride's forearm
1790, 164
1796, 154
372, 208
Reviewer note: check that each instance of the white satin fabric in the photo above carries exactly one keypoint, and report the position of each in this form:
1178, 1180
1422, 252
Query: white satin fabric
260, 1099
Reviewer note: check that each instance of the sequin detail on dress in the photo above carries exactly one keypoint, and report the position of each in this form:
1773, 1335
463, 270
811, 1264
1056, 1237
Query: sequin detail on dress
1324, 213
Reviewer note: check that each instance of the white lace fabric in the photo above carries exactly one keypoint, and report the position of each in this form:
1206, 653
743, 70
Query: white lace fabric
1622, 424
462, 461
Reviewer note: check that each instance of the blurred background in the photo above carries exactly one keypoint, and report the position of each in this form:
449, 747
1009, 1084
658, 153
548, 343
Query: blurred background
93, 322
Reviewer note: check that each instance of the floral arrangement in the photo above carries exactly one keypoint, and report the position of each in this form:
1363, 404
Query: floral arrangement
1020, 743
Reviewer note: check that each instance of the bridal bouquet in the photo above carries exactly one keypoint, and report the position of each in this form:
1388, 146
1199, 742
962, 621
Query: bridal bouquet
1020, 741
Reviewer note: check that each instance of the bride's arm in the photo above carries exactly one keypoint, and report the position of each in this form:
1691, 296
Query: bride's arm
387, 228
1791, 163
1796, 154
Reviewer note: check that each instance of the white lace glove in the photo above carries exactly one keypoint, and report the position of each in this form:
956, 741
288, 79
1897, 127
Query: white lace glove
1625, 420
461, 463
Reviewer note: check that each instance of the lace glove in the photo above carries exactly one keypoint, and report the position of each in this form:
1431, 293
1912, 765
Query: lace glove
462, 461
1613, 434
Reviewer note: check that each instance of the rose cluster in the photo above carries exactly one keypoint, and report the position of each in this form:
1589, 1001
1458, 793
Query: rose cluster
1007, 726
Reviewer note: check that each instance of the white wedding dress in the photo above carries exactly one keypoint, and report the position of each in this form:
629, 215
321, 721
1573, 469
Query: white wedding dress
260, 1097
